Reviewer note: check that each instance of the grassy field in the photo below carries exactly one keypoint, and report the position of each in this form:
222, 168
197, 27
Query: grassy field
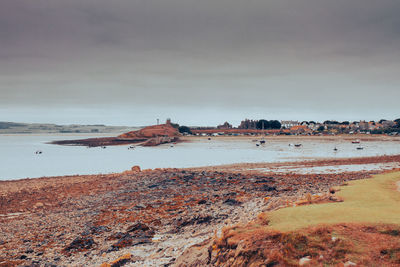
364, 230
373, 200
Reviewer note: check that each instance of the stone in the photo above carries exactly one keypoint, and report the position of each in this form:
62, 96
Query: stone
80, 243
138, 226
232, 202
135, 168
38, 205
349, 263
121, 260
305, 260
197, 219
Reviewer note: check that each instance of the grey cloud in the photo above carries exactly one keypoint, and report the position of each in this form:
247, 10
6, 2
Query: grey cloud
228, 54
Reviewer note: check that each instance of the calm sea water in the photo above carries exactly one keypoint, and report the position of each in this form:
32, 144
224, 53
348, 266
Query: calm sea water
18, 158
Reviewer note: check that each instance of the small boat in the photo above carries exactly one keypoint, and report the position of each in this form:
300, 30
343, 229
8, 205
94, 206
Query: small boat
257, 144
360, 148
355, 141
103, 147
297, 145
38, 152
131, 147
335, 149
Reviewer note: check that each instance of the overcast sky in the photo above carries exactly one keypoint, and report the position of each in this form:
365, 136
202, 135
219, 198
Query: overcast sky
200, 62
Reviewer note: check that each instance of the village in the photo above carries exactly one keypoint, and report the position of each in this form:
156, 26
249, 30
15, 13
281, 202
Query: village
292, 127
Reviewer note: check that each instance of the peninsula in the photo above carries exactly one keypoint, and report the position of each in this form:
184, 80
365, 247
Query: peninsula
148, 136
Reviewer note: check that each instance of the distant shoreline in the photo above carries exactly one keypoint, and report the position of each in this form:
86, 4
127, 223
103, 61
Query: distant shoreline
48, 128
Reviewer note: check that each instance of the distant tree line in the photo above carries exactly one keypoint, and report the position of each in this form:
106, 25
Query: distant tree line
265, 124
7, 125
336, 122
184, 129
260, 124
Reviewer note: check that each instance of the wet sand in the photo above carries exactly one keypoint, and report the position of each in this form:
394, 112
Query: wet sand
252, 167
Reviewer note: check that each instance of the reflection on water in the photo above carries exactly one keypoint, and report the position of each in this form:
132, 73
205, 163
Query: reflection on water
18, 158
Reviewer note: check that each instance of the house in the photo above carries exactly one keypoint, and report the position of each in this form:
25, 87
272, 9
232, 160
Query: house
300, 129
289, 124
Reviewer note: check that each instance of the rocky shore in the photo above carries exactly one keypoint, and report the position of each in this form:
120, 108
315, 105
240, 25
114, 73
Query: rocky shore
149, 136
149, 217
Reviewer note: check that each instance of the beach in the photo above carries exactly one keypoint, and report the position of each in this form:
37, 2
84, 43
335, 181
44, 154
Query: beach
152, 214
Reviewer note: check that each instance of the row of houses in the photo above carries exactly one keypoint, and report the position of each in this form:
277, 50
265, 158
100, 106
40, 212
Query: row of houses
336, 127
288, 127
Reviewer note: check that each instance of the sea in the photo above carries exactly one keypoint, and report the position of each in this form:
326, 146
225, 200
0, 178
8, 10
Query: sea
18, 157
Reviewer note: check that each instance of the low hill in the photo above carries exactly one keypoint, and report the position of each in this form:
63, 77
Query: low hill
149, 136
151, 132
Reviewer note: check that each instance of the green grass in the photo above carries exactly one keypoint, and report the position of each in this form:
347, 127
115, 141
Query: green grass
374, 200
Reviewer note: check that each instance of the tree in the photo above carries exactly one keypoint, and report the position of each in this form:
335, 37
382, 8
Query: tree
274, 124
263, 124
397, 121
175, 125
331, 122
321, 128
184, 129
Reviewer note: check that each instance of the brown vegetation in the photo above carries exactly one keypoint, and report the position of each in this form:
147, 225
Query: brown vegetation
333, 245
151, 132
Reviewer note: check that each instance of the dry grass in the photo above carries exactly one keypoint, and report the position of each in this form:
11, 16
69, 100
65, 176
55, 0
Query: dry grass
373, 200
326, 245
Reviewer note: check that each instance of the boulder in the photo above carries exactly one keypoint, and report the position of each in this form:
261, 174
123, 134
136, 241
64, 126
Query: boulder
80, 244
304, 261
118, 262
38, 205
197, 255
135, 168
349, 263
